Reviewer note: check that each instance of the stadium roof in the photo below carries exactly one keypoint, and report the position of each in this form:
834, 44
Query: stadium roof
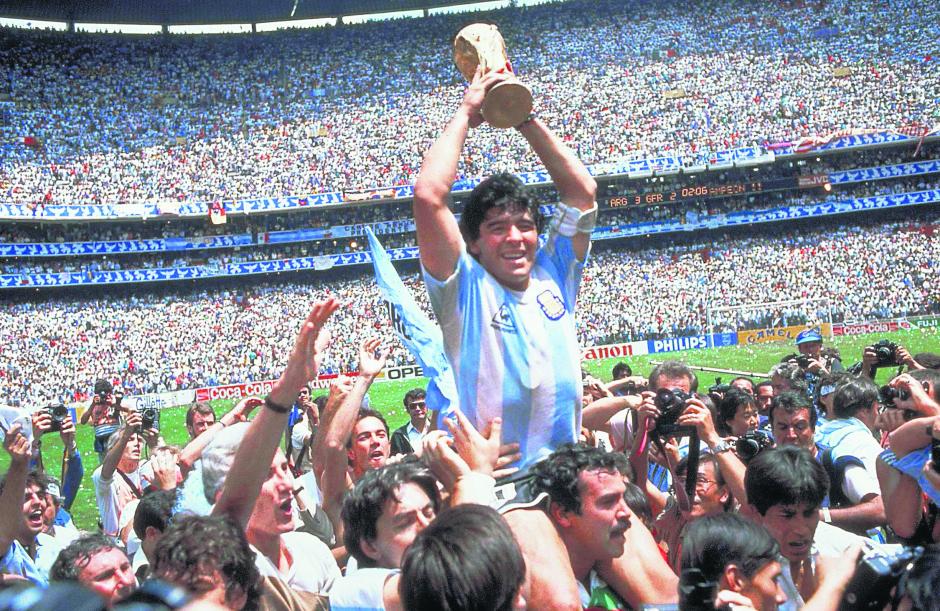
168, 12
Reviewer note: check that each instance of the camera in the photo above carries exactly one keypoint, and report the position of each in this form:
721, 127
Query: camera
802, 361
886, 352
888, 395
751, 444
718, 387
670, 403
148, 417
878, 572
58, 413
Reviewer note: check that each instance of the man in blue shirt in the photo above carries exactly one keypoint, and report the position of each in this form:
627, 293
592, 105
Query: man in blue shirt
506, 310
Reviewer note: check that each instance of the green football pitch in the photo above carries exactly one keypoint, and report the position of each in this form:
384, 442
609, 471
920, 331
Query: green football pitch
387, 396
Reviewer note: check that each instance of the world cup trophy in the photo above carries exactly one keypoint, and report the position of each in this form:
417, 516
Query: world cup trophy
508, 103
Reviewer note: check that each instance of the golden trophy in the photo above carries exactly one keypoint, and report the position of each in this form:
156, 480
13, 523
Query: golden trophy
507, 104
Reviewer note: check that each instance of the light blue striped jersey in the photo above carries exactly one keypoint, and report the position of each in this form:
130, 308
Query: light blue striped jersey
515, 354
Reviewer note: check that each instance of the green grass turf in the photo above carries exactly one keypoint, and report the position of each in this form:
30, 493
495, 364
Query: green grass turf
386, 396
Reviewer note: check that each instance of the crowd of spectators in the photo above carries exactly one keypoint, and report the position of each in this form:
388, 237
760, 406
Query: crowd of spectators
53, 348
115, 119
683, 213
782, 499
25, 232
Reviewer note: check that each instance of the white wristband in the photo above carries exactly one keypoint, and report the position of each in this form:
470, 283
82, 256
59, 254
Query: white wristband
568, 220
826, 515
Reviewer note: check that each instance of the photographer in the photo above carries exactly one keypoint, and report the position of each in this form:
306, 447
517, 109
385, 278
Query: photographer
121, 478
818, 361
737, 413
901, 468
103, 414
51, 420
727, 559
886, 354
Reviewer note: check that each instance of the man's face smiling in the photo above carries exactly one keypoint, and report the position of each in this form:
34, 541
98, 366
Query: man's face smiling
506, 246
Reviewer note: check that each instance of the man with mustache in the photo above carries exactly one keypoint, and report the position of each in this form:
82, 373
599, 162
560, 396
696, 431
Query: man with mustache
585, 487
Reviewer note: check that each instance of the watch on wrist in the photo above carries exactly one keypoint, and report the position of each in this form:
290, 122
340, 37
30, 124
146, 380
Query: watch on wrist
721, 446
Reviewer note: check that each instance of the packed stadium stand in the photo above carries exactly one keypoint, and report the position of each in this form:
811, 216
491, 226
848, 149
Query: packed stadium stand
795, 140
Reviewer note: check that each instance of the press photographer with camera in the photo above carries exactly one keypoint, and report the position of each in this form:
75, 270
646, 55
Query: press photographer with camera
122, 477
886, 353
51, 419
104, 414
901, 468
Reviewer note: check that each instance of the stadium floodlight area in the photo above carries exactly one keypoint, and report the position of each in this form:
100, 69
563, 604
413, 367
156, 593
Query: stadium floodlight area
291, 24
33, 24
118, 28
356, 19
725, 318
211, 28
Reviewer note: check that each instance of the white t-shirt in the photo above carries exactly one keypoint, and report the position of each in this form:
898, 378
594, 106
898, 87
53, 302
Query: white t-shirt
113, 494
858, 483
297, 436
312, 567
362, 590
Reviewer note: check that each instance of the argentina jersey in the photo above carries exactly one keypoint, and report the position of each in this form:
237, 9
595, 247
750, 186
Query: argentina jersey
515, 354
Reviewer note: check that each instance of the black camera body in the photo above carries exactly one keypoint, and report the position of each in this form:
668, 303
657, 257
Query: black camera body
802, 361
878, 572
886, 352
888, 395
58, 413
670, 403
751, 444
148, 417
718, 387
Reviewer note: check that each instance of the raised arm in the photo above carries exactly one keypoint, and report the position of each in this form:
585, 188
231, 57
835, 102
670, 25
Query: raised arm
193, 450
14, 488
255, 455
576, 187
113, 457
329, 455
439, 239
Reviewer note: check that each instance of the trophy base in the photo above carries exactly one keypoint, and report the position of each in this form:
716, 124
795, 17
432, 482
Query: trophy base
507, 104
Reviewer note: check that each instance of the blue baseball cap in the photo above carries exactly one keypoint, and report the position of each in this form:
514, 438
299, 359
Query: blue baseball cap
809, 335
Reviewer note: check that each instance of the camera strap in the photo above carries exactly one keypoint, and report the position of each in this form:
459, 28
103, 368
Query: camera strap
134, 487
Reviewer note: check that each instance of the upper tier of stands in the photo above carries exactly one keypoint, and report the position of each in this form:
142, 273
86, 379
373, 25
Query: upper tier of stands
122, 120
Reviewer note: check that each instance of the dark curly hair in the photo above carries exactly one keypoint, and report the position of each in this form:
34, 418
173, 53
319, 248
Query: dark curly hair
503, 191
364, 504
558, 474
76, 556
194, 547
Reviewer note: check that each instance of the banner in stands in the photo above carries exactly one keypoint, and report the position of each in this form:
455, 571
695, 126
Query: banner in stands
926, 322
694, 342
161, 400
608, 351
874, 326
777, 334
